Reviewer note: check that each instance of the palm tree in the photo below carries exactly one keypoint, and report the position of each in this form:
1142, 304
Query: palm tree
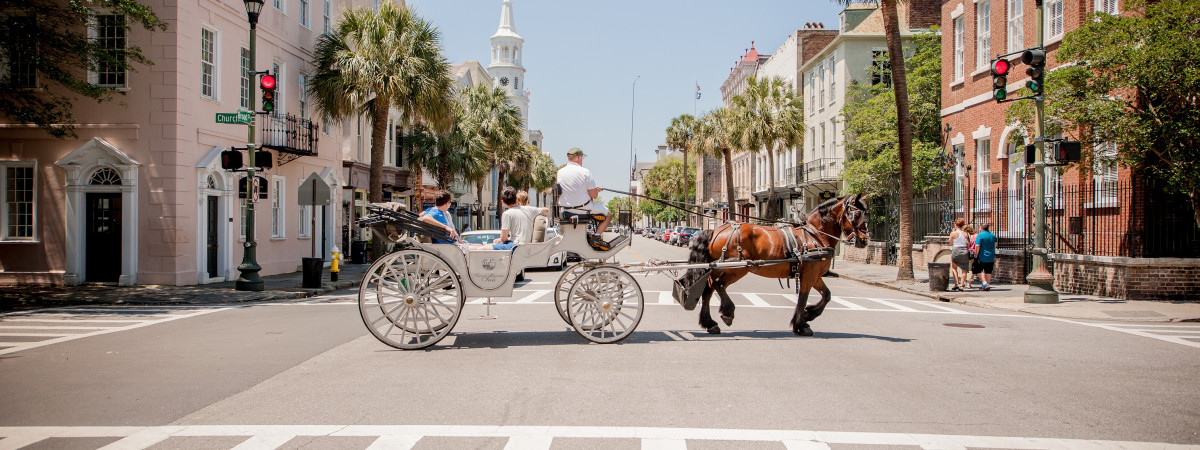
716, 135
681, 135
451, 154
498, 123
891, 32
545, 175
772, 120
374, 61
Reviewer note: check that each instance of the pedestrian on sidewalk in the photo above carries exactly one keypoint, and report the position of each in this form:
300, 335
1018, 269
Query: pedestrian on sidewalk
973, 255
959, 256
985, 245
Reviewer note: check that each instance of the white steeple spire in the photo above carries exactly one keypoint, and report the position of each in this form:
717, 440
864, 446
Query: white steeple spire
506, 69
508, 27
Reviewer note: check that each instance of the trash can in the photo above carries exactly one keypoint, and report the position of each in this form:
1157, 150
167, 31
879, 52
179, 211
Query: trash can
312, 271
939, 276
358, 252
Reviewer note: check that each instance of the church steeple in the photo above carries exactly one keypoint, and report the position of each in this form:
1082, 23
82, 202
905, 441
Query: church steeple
506, 69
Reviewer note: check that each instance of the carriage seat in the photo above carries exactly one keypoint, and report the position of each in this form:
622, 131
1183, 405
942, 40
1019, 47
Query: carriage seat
581, 217
539, 229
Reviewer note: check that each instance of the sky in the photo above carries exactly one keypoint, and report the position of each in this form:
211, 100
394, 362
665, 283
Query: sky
582, 58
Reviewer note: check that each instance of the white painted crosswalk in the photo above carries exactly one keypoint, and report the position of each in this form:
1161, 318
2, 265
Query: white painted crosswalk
32, 329
402, 437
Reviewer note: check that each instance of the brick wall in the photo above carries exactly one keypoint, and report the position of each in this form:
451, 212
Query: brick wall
871, 254
923, 13
1128, 278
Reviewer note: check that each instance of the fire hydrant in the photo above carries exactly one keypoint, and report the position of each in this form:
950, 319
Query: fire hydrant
333, 266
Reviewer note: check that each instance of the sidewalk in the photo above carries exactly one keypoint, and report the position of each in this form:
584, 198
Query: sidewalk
277, 287
1012, 298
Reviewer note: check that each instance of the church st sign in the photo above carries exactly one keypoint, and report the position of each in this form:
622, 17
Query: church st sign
237, 118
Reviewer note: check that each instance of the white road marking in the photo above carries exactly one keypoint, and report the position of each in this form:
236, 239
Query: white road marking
71, 333
541, 437
534, 296
665, 298
756, 300
893, 305
1136, 330
847, 304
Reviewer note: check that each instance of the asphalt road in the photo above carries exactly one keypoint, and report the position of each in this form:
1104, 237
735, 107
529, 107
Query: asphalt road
883, 369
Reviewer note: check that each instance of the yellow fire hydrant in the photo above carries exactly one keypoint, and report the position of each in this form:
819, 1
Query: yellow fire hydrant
333, 265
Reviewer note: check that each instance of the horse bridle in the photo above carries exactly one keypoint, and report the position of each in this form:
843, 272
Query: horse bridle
850, 214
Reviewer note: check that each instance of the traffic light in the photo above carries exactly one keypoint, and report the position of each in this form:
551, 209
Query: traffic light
1036, 60
1066, 152
231, 160
263, 160
267, 83
1000, 79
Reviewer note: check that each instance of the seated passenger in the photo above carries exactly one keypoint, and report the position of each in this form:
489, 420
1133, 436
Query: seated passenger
437, 216
516, 225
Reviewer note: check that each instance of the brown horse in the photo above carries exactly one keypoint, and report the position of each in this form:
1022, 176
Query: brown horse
823, 227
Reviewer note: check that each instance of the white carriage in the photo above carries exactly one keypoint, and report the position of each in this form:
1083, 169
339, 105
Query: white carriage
411, 298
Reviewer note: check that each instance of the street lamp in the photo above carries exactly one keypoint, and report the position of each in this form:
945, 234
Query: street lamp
249, 268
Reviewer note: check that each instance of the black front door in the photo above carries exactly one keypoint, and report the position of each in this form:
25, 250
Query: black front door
212, 236
103, 237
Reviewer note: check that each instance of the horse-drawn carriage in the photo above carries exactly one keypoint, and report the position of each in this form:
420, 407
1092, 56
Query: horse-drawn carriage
412, 297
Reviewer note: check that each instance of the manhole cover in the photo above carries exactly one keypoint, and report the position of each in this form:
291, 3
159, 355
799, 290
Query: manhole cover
962, 325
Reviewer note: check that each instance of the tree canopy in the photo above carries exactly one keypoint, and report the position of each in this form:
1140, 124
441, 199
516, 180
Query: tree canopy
53, 49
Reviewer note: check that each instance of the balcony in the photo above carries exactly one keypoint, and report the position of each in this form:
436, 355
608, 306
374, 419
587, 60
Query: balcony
289, 135
819, 170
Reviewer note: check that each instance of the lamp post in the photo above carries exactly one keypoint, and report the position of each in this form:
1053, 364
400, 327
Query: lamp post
249, 279
632, 105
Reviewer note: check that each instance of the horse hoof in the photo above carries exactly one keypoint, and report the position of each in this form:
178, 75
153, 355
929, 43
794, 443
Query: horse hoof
806, 332
715, 329
727, 319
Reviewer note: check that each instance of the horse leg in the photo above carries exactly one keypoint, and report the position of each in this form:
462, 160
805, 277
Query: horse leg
706, 320
800, 317
727, 305
814, 311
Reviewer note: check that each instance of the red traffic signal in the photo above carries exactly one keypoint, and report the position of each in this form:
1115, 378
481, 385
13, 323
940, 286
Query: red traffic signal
1000, 79
1000, 67
267, 82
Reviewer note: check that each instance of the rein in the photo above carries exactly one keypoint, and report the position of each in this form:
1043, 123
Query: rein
675, 204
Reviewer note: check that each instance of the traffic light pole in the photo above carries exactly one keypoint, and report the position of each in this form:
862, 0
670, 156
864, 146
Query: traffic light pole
249, 279
1041, 281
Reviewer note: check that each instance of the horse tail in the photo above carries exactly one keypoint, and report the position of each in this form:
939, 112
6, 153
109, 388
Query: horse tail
699, 252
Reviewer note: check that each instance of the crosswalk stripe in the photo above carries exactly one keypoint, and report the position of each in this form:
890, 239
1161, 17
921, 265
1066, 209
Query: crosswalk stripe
893, 305
805, 445
529, 442
264, 442
755, 300
394, 442
847, 304
664, 444
665, 298
531, 297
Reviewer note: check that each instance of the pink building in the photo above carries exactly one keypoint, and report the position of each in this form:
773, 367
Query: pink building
140, 197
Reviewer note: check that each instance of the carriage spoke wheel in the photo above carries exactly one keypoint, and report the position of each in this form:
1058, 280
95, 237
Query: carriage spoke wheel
410, 299
565, 281
605, 304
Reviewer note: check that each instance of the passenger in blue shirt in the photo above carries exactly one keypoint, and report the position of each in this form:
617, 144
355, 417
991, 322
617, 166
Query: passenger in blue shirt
985, 244
437, 216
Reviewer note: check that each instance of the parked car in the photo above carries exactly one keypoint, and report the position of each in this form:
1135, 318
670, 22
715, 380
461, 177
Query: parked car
685, 236
664, 235
674, 239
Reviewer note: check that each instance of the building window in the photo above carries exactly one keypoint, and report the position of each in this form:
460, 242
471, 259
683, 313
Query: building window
105, 177
832, 136
821, 85
22, 52
822, 140
1054, 18
328, 26
812, 93
1108, 7
881, 67
304, 14
812, 142
1105, 173
18, 188
832, 80
983, 34
326, 126
244, 93
277, 210
1016, 26
281, 90
108, 33
208, 63
983, 174
958, 48
303, 95
280, 5
304, 226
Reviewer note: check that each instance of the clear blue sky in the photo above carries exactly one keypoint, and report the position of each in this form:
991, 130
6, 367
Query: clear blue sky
581, 59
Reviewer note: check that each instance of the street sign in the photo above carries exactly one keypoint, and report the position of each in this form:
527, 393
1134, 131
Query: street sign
237, 118
313, 191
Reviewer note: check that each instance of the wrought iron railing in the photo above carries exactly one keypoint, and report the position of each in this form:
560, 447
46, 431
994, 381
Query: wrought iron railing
289, 134
822, 169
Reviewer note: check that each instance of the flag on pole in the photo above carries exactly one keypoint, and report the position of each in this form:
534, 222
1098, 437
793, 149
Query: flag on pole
697, 91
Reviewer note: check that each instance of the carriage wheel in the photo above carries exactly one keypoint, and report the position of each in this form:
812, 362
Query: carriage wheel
410, 299
565, 281
605, 304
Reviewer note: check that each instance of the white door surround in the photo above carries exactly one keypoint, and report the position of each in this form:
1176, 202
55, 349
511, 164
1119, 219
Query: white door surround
80, 165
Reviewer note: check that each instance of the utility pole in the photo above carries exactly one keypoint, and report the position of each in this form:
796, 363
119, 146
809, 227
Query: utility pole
1041, 281
249, 279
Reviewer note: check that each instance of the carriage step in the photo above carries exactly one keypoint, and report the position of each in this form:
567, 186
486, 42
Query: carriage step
617, 241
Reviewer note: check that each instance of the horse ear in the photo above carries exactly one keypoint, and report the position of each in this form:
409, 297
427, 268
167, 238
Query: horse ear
862, 197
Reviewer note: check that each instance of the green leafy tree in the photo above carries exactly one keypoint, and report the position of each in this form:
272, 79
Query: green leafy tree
499, 124
48, 40
717, 135
873, 165
1133, 80
668, 179
545, 175
681, 135
376, 60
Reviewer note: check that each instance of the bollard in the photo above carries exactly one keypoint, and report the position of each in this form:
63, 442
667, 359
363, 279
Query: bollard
333, 265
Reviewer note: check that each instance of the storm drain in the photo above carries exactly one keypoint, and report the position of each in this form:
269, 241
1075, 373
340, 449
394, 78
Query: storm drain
963, 325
